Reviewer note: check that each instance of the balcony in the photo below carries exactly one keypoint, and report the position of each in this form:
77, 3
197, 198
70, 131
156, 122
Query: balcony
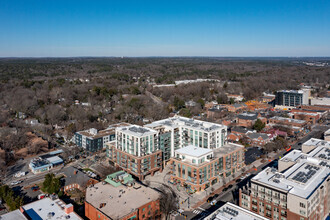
283, 214
269, 215
254, 202
269, 208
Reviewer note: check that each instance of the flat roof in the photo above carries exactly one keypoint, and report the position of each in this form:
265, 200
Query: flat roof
227, 149
193, 151
230, 211
108, 131
301, 179
42, 209
292, 91
119, 201
178, 121
137, 130
17, 215
54, 160
288, 120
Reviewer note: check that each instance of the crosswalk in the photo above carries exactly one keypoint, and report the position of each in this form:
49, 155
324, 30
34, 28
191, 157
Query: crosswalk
196, 211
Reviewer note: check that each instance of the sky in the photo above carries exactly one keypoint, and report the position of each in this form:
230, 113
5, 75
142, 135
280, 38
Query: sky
66, 28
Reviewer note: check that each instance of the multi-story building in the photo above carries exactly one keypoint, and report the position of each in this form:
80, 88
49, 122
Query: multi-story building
144, 150
136, 150
298, 190
292, 98
327, 135
198, 168
120, 198
233, 212
177, 132
93, 140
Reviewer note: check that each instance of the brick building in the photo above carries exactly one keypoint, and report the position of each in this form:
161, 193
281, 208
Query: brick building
121, 201
298, 190
199, 168
247, 119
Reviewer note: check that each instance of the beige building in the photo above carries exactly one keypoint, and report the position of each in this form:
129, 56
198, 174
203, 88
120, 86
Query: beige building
298, 190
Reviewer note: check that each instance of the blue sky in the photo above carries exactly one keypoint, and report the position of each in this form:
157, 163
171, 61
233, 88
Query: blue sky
54, 28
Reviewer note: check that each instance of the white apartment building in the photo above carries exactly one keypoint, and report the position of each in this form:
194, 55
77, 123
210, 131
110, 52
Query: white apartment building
181, 132
136, 140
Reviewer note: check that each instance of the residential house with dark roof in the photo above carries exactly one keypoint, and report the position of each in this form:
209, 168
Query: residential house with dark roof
247, 119
76, 179
259, 139
237, 107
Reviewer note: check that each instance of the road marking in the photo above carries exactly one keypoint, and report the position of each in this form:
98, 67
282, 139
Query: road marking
201, 208
196, 211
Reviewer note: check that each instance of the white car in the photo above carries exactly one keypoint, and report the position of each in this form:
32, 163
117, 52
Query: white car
214, 202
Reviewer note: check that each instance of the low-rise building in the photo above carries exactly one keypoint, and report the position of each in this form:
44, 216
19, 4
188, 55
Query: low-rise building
121, 199
76, 179
45, 163
259, 139
299, 189
293, 124
46, 208
199, 168
233, 212
247, 119
237, 107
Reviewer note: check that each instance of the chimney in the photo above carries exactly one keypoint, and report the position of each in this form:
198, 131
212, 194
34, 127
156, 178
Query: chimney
68, 208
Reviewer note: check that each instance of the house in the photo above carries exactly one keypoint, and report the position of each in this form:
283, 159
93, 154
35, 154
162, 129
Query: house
247, 119
76, 179
190, 103
216, 112
259, 139
31, 121
236, 107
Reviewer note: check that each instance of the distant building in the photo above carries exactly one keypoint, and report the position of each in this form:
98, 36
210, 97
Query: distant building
45, 163
93, 140
236, 98
216, 112
199, 168
247, 119
230, 211
320, 101
237, 107
31, 121
46, 208
119, 197
190, 103
298, 189
292, 98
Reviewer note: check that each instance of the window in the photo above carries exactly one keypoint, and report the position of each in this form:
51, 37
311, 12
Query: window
302, 205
